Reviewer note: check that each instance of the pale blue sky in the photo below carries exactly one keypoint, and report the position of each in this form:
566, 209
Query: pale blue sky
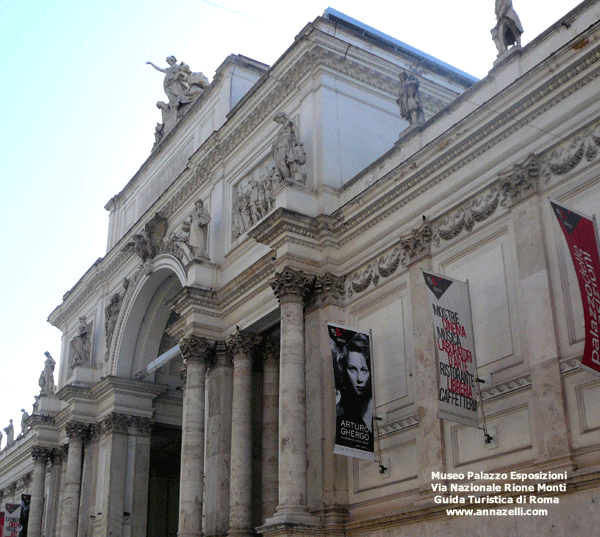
78, 117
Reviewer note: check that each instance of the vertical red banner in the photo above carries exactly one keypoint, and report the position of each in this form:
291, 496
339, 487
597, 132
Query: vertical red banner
582, 239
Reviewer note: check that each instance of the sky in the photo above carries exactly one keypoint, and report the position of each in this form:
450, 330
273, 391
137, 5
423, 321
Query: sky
79, 114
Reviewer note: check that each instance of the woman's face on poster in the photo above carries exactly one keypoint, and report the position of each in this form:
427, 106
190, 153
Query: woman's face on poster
358, 372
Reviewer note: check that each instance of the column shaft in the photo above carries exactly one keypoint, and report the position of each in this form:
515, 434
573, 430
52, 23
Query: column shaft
70, 511
270, 429
38, 486
191, 487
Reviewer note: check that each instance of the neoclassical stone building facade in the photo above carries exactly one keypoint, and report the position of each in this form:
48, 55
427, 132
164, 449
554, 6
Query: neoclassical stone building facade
195, 394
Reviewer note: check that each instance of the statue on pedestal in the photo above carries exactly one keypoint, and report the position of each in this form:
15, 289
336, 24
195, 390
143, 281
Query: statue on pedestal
198, 237
10, 433
181, 85
46, 381
24, 421
287, 151
508, 29
81, 344
410, 100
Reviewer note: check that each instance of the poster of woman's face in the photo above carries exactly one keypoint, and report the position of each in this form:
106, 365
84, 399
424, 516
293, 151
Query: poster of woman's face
351, 354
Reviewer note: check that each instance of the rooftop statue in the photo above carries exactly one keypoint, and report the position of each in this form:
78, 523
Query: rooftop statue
508, 29
287, 150
46, 381
181, 85
24, 421
410, 100
10, 433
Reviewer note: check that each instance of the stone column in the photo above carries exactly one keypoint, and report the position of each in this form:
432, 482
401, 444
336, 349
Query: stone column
196, 352
219, 388
291, 288
270, 428
40, 456
240, 495
70, 512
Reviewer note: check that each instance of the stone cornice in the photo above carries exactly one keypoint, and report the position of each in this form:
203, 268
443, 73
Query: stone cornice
412, 178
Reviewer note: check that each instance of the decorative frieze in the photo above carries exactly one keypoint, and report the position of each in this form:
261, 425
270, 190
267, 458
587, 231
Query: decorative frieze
521, 182
399, 425
567, 157
506, 388
292, 285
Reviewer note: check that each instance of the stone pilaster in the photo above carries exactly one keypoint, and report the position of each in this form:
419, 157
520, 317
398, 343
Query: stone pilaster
113, 446
40, 456
52, 503
64, 452
136, 490
430, 452
196, 351
327, 473
70, 506
240, 496
270, 429
538, 335
219, 388
292, 288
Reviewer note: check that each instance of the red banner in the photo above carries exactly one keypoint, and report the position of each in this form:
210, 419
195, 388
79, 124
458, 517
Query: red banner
582, 238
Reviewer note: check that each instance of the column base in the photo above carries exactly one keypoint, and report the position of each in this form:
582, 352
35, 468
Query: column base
289, 515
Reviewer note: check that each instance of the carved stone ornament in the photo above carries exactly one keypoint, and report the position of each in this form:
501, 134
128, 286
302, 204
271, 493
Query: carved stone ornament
24, 421
291, 285
77, 430
143, 426
467, 215
521, 182
42, 454
330, 289
111, 314
115, 423
253, 199
567, 158
197, 349
242, 342
149, 241
287, 151
417, 245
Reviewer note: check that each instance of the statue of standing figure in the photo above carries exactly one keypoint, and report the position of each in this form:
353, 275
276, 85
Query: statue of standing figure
287, 151
198, 238
46, 381
24, 421
10, 433
508, 29
81, 344
410, 100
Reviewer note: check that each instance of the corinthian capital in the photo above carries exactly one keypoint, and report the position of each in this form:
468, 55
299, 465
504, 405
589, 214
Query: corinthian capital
39, 453
197, 349
329, 289
77, 430
292, 285
242, 342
